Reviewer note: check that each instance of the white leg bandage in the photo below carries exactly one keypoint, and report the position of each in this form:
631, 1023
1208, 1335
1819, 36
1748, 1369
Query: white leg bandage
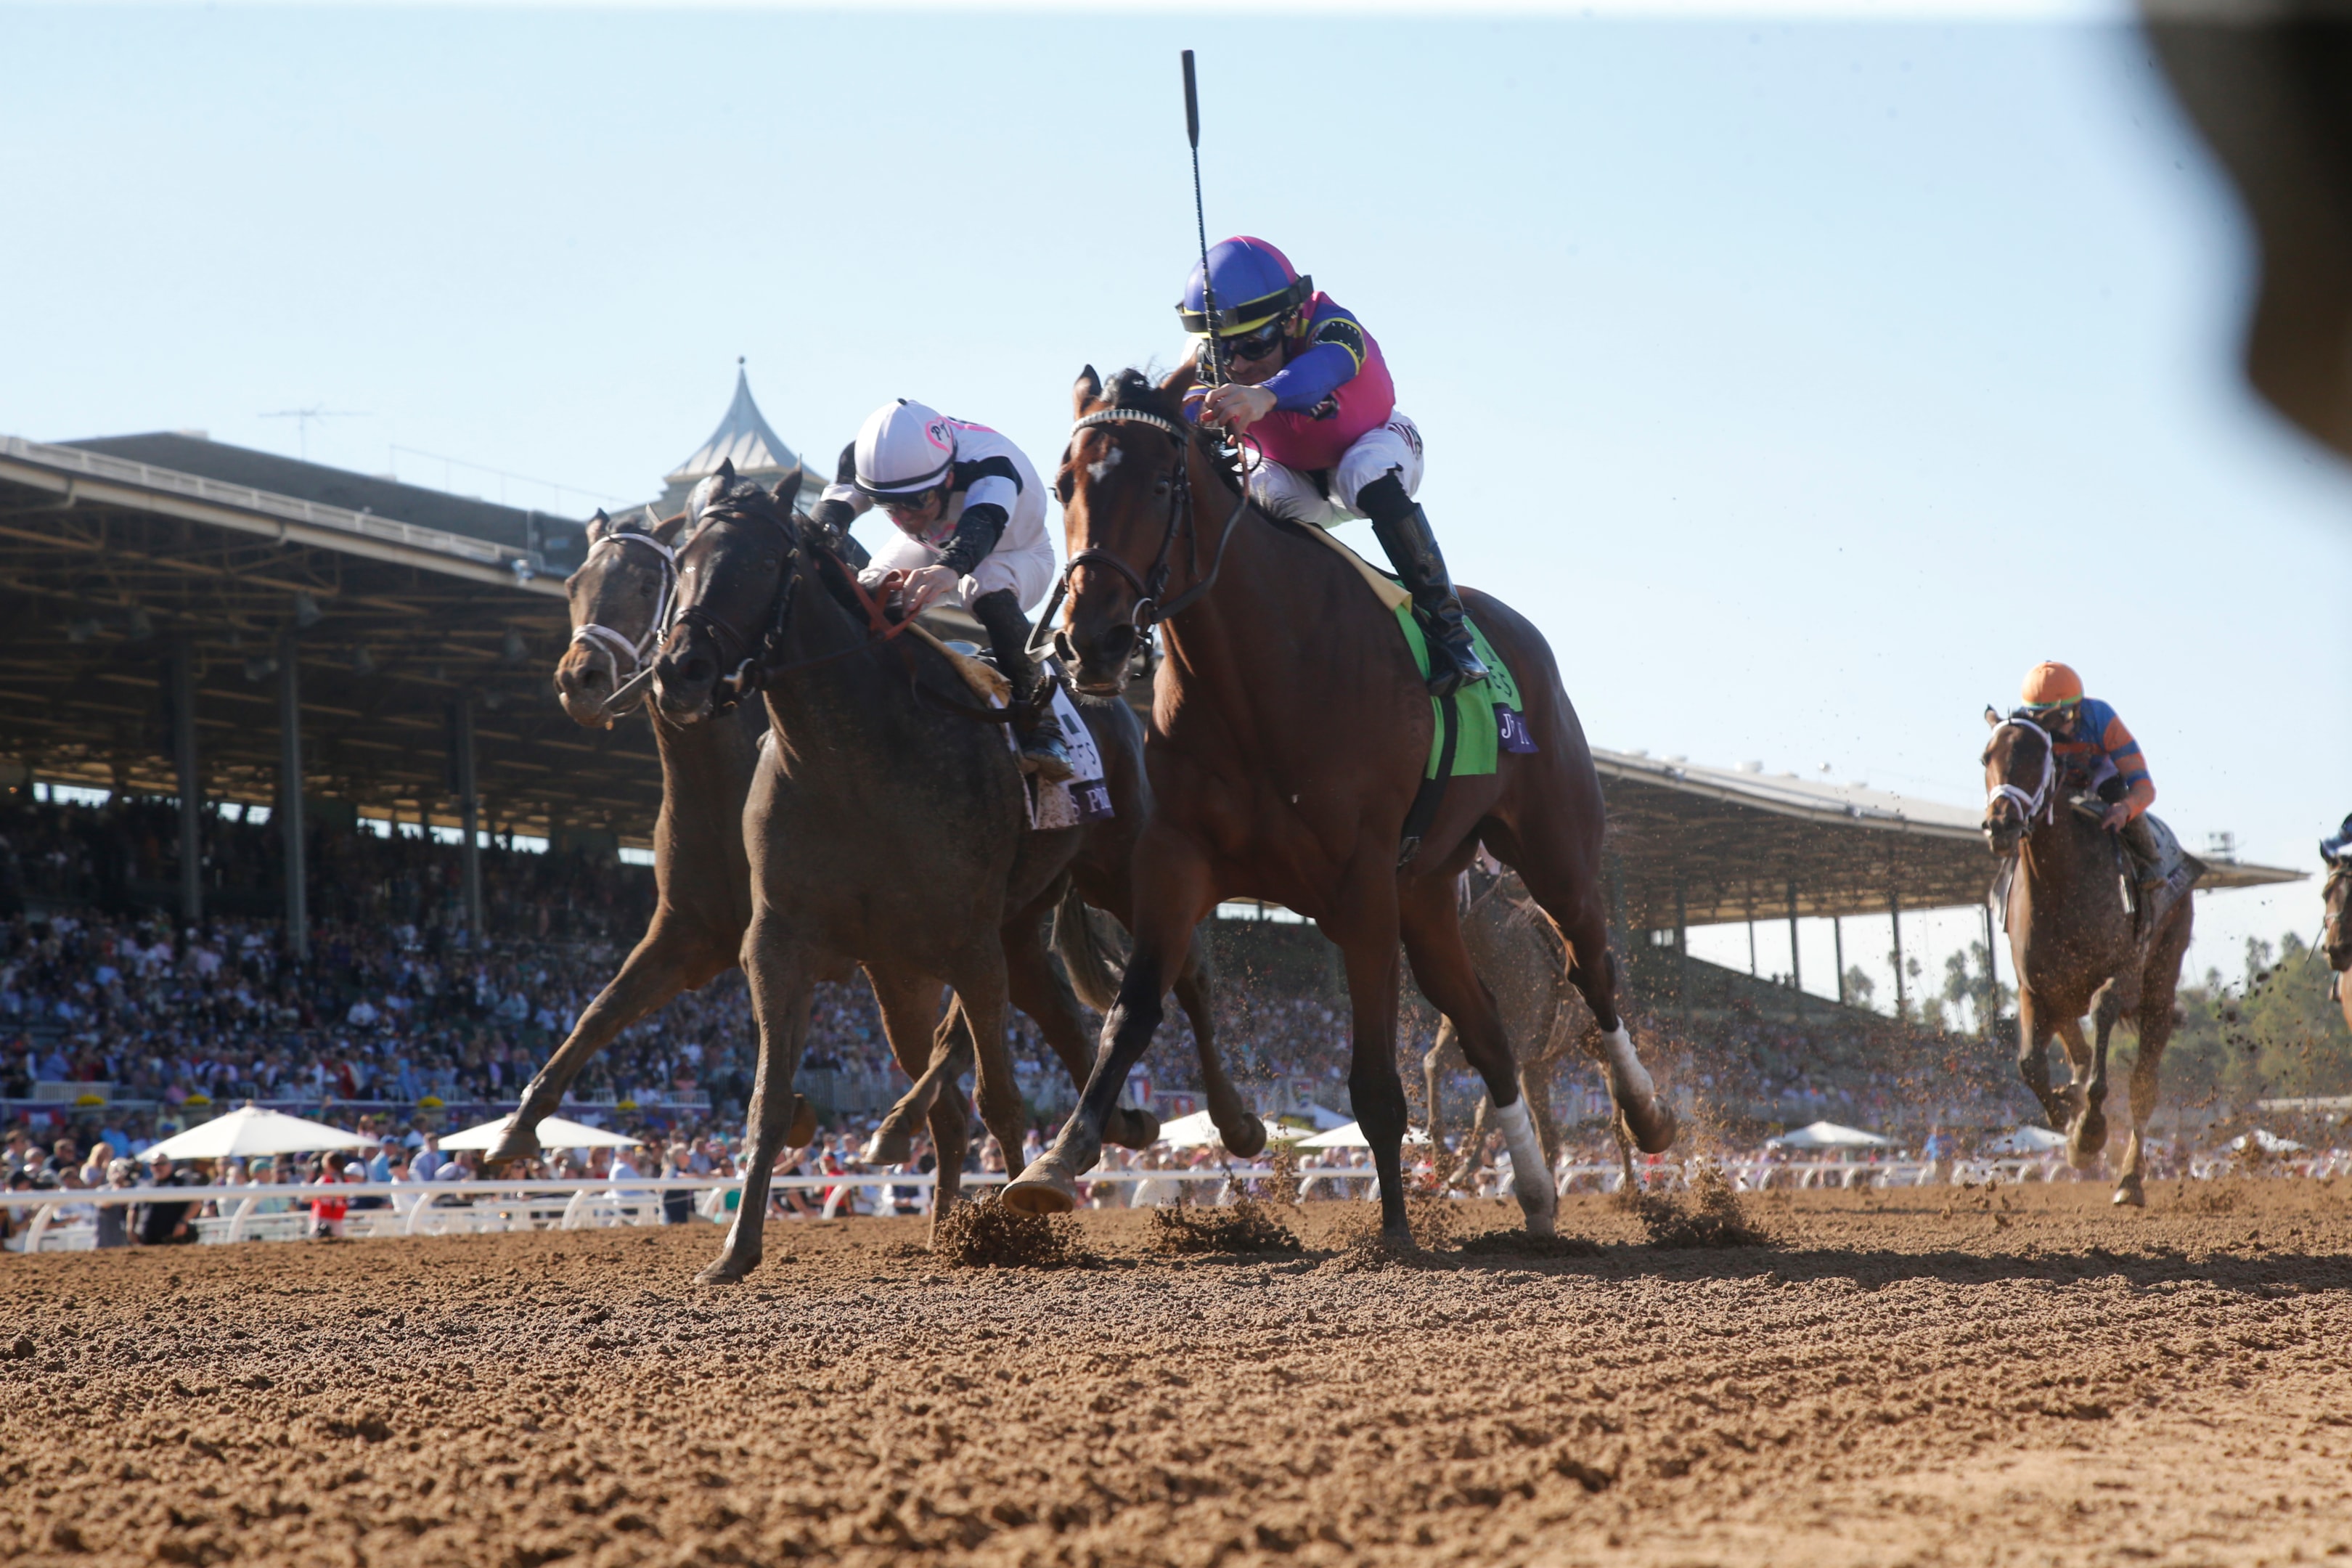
1530, 1177
1628, 1080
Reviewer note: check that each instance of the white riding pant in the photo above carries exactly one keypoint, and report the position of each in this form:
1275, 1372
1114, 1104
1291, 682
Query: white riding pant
1394, 448
1027, 571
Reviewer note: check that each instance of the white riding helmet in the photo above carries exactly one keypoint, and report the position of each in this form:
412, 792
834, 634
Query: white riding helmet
904, 449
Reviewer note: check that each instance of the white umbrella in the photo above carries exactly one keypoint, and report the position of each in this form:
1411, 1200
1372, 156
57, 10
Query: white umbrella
250, 1129
2268, 1142
1827, 1135
1324, 1119
1194, 1132
554, 1133
2027, 1140
1352, 1136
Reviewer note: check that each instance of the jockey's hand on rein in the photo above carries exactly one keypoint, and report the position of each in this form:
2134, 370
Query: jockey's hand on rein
924, 585
1237, 405
2115, 819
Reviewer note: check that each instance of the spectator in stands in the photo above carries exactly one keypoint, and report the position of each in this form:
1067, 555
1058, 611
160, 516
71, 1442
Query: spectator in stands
427, 1160
326, 1211
163, 1223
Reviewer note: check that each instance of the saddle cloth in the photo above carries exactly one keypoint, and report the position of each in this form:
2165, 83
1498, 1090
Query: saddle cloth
1489, 728
1081, 798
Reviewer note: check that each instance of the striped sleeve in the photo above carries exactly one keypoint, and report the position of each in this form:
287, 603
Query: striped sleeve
2131, 764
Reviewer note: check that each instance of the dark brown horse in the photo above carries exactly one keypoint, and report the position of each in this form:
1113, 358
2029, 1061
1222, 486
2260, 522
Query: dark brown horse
1288, 736
2078, 950
702, 882
885, 826
2336, 937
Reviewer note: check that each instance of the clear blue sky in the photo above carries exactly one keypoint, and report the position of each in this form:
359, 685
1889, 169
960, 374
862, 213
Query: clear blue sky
1805, 381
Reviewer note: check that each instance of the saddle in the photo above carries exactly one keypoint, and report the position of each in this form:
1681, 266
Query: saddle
2161, 881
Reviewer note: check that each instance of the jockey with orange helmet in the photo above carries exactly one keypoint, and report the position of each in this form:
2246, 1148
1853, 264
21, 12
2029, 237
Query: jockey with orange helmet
2095, 752
1310, 389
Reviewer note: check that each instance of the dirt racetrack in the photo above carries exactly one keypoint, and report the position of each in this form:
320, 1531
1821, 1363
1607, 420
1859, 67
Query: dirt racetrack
1914, 1376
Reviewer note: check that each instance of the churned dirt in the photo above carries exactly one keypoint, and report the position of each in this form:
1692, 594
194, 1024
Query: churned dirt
1931, 1376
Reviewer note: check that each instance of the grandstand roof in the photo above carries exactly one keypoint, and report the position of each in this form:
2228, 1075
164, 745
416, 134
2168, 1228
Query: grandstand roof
115, 554
742, 439
1733, 843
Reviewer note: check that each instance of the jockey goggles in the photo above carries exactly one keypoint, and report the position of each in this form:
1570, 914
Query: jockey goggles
1255, 345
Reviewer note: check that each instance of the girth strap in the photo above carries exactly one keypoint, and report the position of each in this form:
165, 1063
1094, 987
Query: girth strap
1431, 794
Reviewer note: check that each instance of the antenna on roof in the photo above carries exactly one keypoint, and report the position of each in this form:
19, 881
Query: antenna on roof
302, 417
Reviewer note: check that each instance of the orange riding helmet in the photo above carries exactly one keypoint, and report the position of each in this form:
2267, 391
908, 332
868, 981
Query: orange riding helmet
2052, 685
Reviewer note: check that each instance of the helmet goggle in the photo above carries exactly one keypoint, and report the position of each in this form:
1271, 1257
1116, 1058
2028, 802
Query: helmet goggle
1256, 345
899, 503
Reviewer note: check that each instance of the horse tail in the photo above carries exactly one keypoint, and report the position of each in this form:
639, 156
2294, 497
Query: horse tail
1093, 970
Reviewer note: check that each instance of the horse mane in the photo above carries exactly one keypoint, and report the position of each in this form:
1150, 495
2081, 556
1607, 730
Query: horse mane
1131, 388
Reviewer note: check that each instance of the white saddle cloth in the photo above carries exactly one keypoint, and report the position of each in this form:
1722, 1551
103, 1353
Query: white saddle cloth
1084, 798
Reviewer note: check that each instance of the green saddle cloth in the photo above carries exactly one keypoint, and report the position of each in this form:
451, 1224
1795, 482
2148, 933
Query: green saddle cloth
1491, 718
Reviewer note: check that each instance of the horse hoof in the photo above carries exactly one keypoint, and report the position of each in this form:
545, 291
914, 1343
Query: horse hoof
2089, 1142
803, 1131
726, 1271
1131, 1129
1543, 1221
1041, 1189
2131, 1195
1246, 1139
889, 1146
1657, 1134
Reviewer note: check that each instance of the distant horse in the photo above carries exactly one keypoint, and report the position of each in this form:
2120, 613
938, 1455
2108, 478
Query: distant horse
1519, 955
2337, 937
2077, 948
885, 826
1290, 733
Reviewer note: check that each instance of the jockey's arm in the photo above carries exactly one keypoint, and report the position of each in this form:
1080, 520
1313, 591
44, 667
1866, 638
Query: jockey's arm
2131, 766
842, 503
1333, 354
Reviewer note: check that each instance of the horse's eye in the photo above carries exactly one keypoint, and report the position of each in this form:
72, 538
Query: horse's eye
1161, 488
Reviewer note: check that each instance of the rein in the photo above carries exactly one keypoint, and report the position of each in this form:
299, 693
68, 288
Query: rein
2042, 801
641, 664
1148, 610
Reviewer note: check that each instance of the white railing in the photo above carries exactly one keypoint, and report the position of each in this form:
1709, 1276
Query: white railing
126, 470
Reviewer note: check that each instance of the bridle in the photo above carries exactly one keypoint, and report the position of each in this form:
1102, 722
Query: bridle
1148, 610
641, 668
2041, 801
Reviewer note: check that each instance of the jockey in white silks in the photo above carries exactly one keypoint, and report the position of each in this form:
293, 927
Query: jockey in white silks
970, 513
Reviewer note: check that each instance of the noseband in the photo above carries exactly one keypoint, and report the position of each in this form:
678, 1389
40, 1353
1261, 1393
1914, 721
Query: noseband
640, 665
1148, 610
2042, 800
735, 684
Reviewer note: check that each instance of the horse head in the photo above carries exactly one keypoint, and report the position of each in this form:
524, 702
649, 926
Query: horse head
2336, 937
619, 597
1125, 494
734, 574
2020, 779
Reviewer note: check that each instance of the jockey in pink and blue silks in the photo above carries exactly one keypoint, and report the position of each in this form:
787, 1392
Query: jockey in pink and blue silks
1308, 387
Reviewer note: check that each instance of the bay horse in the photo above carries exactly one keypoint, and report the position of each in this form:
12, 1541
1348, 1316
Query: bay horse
2078, 949
885, 826
1288, 734
2336, 935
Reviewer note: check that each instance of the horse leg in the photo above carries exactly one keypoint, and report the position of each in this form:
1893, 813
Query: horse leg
1048, 998
1445, 1054
2033, 1027
979, 978
2087, 1137
1574, 905
949, 1057
933, 1058
665, 962
1441, 964
1374, 1085
2159, 980
1538, 1078
783, 979
1240, 1128
1173, 891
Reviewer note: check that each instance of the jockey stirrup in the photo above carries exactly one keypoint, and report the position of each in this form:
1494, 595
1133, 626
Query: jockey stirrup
1402, 528
1036, 732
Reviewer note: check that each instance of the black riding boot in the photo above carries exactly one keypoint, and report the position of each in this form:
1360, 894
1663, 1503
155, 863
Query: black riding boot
1402, 528
1042, 750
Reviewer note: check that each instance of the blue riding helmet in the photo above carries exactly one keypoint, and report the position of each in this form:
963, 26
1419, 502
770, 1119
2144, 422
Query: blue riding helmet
1254, 284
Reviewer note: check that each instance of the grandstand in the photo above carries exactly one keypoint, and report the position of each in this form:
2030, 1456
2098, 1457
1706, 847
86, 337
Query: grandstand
257, 659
